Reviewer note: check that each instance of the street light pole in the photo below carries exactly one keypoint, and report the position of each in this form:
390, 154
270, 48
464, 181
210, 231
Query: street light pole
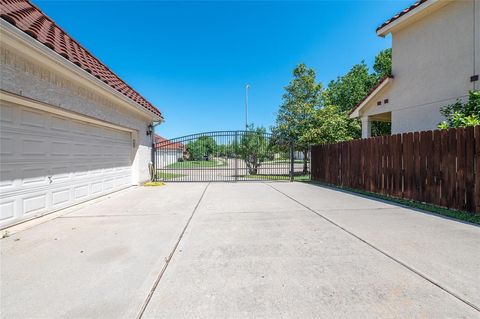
246, 106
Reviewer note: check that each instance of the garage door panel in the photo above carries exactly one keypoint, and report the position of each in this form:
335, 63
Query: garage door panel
60, 196
34, 203
60, 148
7, 210
108, 184
80, 128
7, 114
59, 124
81, 191
51, 162
97, 131
80, 149
108, 151
7, 145
96, 150
30, 118
97, 187
33, 147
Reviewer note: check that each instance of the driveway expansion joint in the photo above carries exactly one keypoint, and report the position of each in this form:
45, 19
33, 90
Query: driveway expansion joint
386, 254
107, 215
169, 258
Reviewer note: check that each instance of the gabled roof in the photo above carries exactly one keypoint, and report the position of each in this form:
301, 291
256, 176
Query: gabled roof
31, 20
401, 13
380, 85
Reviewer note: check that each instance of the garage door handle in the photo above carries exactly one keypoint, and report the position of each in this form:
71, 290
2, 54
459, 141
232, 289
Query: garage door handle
50, 179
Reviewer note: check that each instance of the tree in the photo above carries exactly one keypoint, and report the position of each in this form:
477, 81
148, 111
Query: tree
382, 68
461, 114
254, 148
383, 64
221, 150
348, 90
202, 148
296, 116
332, 126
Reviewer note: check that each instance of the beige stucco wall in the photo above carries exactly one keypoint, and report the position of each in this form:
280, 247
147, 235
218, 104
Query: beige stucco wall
371, 108
23, 76
433, 60
477, 42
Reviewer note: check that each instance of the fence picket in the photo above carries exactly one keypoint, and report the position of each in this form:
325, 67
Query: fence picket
461, 162
427, 165
477, 170
417, 187
452, 169
437, 174
469, 169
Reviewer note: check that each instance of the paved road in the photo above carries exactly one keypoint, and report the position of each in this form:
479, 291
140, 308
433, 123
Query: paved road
242, 250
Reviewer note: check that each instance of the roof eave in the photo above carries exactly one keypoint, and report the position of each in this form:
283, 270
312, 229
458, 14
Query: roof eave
355, 112
406, 18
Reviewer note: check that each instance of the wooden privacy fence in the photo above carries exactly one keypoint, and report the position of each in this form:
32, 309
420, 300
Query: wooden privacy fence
440, 167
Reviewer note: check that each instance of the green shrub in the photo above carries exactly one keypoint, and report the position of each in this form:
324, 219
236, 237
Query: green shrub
461, 114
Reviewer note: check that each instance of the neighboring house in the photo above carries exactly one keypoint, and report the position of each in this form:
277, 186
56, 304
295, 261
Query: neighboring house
168, 152
71, 129
436, 60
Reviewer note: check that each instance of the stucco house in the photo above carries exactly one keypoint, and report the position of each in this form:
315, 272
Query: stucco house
70, 128
167, 151
435, 61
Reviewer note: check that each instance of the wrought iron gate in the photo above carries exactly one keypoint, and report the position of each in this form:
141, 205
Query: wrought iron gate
228, 156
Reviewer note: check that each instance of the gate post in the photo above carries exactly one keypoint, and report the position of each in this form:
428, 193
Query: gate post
292, 162
236, 155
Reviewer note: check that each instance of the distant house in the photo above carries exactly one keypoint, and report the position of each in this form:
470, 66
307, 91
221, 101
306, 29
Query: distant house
436, 60
168, 151
71, 129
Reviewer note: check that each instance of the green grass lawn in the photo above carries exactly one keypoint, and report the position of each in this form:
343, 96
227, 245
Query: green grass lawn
165, 176
297, 178
283, 161
195, 164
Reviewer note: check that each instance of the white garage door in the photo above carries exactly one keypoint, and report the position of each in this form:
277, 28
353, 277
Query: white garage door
49, 162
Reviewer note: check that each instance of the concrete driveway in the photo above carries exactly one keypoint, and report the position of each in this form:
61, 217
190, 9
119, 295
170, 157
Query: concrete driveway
241, 250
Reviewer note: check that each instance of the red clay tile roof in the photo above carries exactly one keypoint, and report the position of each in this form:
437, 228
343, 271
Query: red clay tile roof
28, 18
163, 143
405, 11
371, 91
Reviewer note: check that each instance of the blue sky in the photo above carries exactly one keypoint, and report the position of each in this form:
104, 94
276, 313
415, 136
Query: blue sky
193, 59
